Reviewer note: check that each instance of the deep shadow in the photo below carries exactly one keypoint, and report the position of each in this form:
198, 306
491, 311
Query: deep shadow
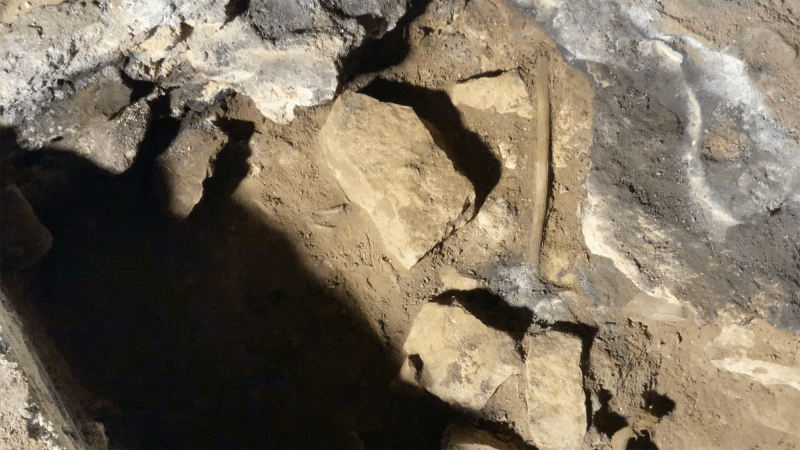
206, 333
605, 420
139, 88
375, 55
657, 404
234, 9
641, 442
491, 310
469, 154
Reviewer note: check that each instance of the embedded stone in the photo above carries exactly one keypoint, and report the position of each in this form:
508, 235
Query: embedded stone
386, 161
505, 94
456, 357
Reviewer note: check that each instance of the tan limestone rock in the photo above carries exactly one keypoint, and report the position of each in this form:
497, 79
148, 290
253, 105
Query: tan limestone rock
386, 161
556, 402
644, 306
451, 279
454, 356
506, 94
463, 438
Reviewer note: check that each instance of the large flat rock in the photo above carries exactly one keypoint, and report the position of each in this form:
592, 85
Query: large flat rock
387, 162
454, 356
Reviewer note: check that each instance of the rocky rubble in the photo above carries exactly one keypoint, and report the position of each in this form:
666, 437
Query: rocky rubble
476, 225
461, 360
282, 56
32, 415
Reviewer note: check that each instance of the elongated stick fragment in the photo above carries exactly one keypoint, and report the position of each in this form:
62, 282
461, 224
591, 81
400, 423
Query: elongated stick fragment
541, 160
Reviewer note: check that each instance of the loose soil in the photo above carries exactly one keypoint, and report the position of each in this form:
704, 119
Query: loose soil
273, 317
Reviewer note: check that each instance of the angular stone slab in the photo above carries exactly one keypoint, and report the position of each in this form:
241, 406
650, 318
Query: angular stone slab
185, 165
451, 279
454, 356
387, 162
556, 402
505, 94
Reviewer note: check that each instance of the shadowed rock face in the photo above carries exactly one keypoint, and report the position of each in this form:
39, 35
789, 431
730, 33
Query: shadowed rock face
23, 239
386, 224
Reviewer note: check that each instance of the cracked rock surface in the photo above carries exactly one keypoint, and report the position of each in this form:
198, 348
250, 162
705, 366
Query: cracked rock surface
484, 224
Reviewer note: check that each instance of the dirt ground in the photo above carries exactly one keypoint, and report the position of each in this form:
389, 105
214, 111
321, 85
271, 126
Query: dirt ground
271, 314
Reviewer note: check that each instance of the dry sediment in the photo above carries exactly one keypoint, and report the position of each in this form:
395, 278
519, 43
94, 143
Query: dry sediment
485, 224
